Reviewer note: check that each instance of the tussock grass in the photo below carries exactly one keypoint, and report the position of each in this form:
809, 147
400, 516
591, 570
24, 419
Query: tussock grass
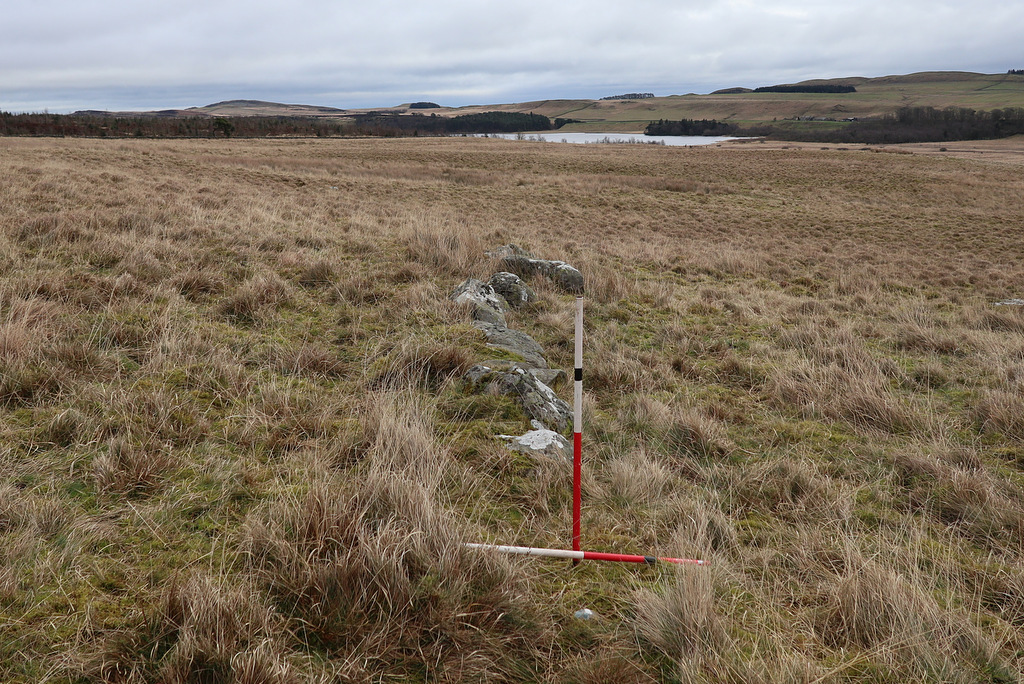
363, 571
201, 630
236, 445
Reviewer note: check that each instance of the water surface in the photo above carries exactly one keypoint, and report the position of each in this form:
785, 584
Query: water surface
621, 138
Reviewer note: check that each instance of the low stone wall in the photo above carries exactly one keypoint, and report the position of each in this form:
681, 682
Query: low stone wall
530, 380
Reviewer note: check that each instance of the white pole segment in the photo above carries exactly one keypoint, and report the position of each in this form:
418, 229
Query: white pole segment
577, 406
529, 551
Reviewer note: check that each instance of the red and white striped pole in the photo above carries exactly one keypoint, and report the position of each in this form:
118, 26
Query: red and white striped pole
577, 431
577, 555
577, 469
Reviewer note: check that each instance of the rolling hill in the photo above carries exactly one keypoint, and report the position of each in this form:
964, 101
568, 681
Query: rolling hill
874, 97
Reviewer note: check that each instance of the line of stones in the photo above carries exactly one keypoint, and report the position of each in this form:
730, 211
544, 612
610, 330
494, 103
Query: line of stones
529, 381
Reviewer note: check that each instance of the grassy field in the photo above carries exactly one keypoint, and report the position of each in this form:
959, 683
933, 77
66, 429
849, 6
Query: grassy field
874, 97
235, 445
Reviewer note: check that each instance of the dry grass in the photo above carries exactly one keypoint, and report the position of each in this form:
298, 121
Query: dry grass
236, 445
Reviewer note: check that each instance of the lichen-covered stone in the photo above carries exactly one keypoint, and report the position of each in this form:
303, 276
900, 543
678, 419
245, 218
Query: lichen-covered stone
512, 289
514, 341
508, 250
552, 377
567, 278
538, 400
564, 276
488, 305
541, 442
477, 374
520, 262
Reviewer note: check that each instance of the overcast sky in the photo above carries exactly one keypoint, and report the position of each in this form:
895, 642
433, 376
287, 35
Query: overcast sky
64, 55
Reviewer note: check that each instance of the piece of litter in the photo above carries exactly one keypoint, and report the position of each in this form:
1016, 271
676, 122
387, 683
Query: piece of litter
1011, 302
584, 614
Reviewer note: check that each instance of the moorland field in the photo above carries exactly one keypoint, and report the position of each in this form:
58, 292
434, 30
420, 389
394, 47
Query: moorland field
872, 98
235, 443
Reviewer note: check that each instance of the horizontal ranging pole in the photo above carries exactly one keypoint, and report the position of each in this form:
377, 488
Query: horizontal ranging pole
583, 555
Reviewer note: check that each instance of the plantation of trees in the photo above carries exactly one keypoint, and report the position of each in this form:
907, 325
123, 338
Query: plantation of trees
690, 127
922, 124
906, 125
376, 124
630, 96
806, 89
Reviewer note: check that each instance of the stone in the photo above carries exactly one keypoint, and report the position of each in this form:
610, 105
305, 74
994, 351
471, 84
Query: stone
477, 374
564, 276
488, 306
542, 442
567, 278
512, 289
538, 400
552, 377
525, 265
514, 341
508, 250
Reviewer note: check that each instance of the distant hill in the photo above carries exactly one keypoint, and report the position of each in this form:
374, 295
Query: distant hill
261, 108
739, 105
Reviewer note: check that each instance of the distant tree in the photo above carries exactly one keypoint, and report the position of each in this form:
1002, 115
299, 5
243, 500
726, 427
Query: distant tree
224, 126
424, 105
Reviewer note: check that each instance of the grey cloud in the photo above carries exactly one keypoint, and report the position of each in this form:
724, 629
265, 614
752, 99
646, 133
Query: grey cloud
102, 54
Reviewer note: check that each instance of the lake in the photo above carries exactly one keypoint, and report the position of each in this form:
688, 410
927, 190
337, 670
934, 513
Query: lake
622, 138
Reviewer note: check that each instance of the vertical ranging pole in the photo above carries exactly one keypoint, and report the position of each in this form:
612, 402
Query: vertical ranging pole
577, 429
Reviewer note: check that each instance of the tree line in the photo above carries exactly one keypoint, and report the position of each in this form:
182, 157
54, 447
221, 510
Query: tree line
630, 96
908, 124
690, 127
383, 124
829, 88
920, 124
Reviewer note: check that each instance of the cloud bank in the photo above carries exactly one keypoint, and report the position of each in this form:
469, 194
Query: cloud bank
61, 56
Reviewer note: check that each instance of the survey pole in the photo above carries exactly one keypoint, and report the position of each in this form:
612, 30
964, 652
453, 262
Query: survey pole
577, 430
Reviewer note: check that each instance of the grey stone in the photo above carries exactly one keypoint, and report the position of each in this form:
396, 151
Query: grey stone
565, 277
541, 442
538, 400
552, 377
485, 314
488, 306
512, 289
514, 341
477, 374
508, 250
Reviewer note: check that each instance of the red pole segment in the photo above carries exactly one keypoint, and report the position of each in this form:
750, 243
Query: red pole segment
577, 477
577, 429
583, 555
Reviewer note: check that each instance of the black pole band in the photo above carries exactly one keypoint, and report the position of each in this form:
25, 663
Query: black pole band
578, 376
650, 560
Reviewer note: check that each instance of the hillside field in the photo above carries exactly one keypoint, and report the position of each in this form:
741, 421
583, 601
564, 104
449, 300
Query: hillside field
236, 444
874, 97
